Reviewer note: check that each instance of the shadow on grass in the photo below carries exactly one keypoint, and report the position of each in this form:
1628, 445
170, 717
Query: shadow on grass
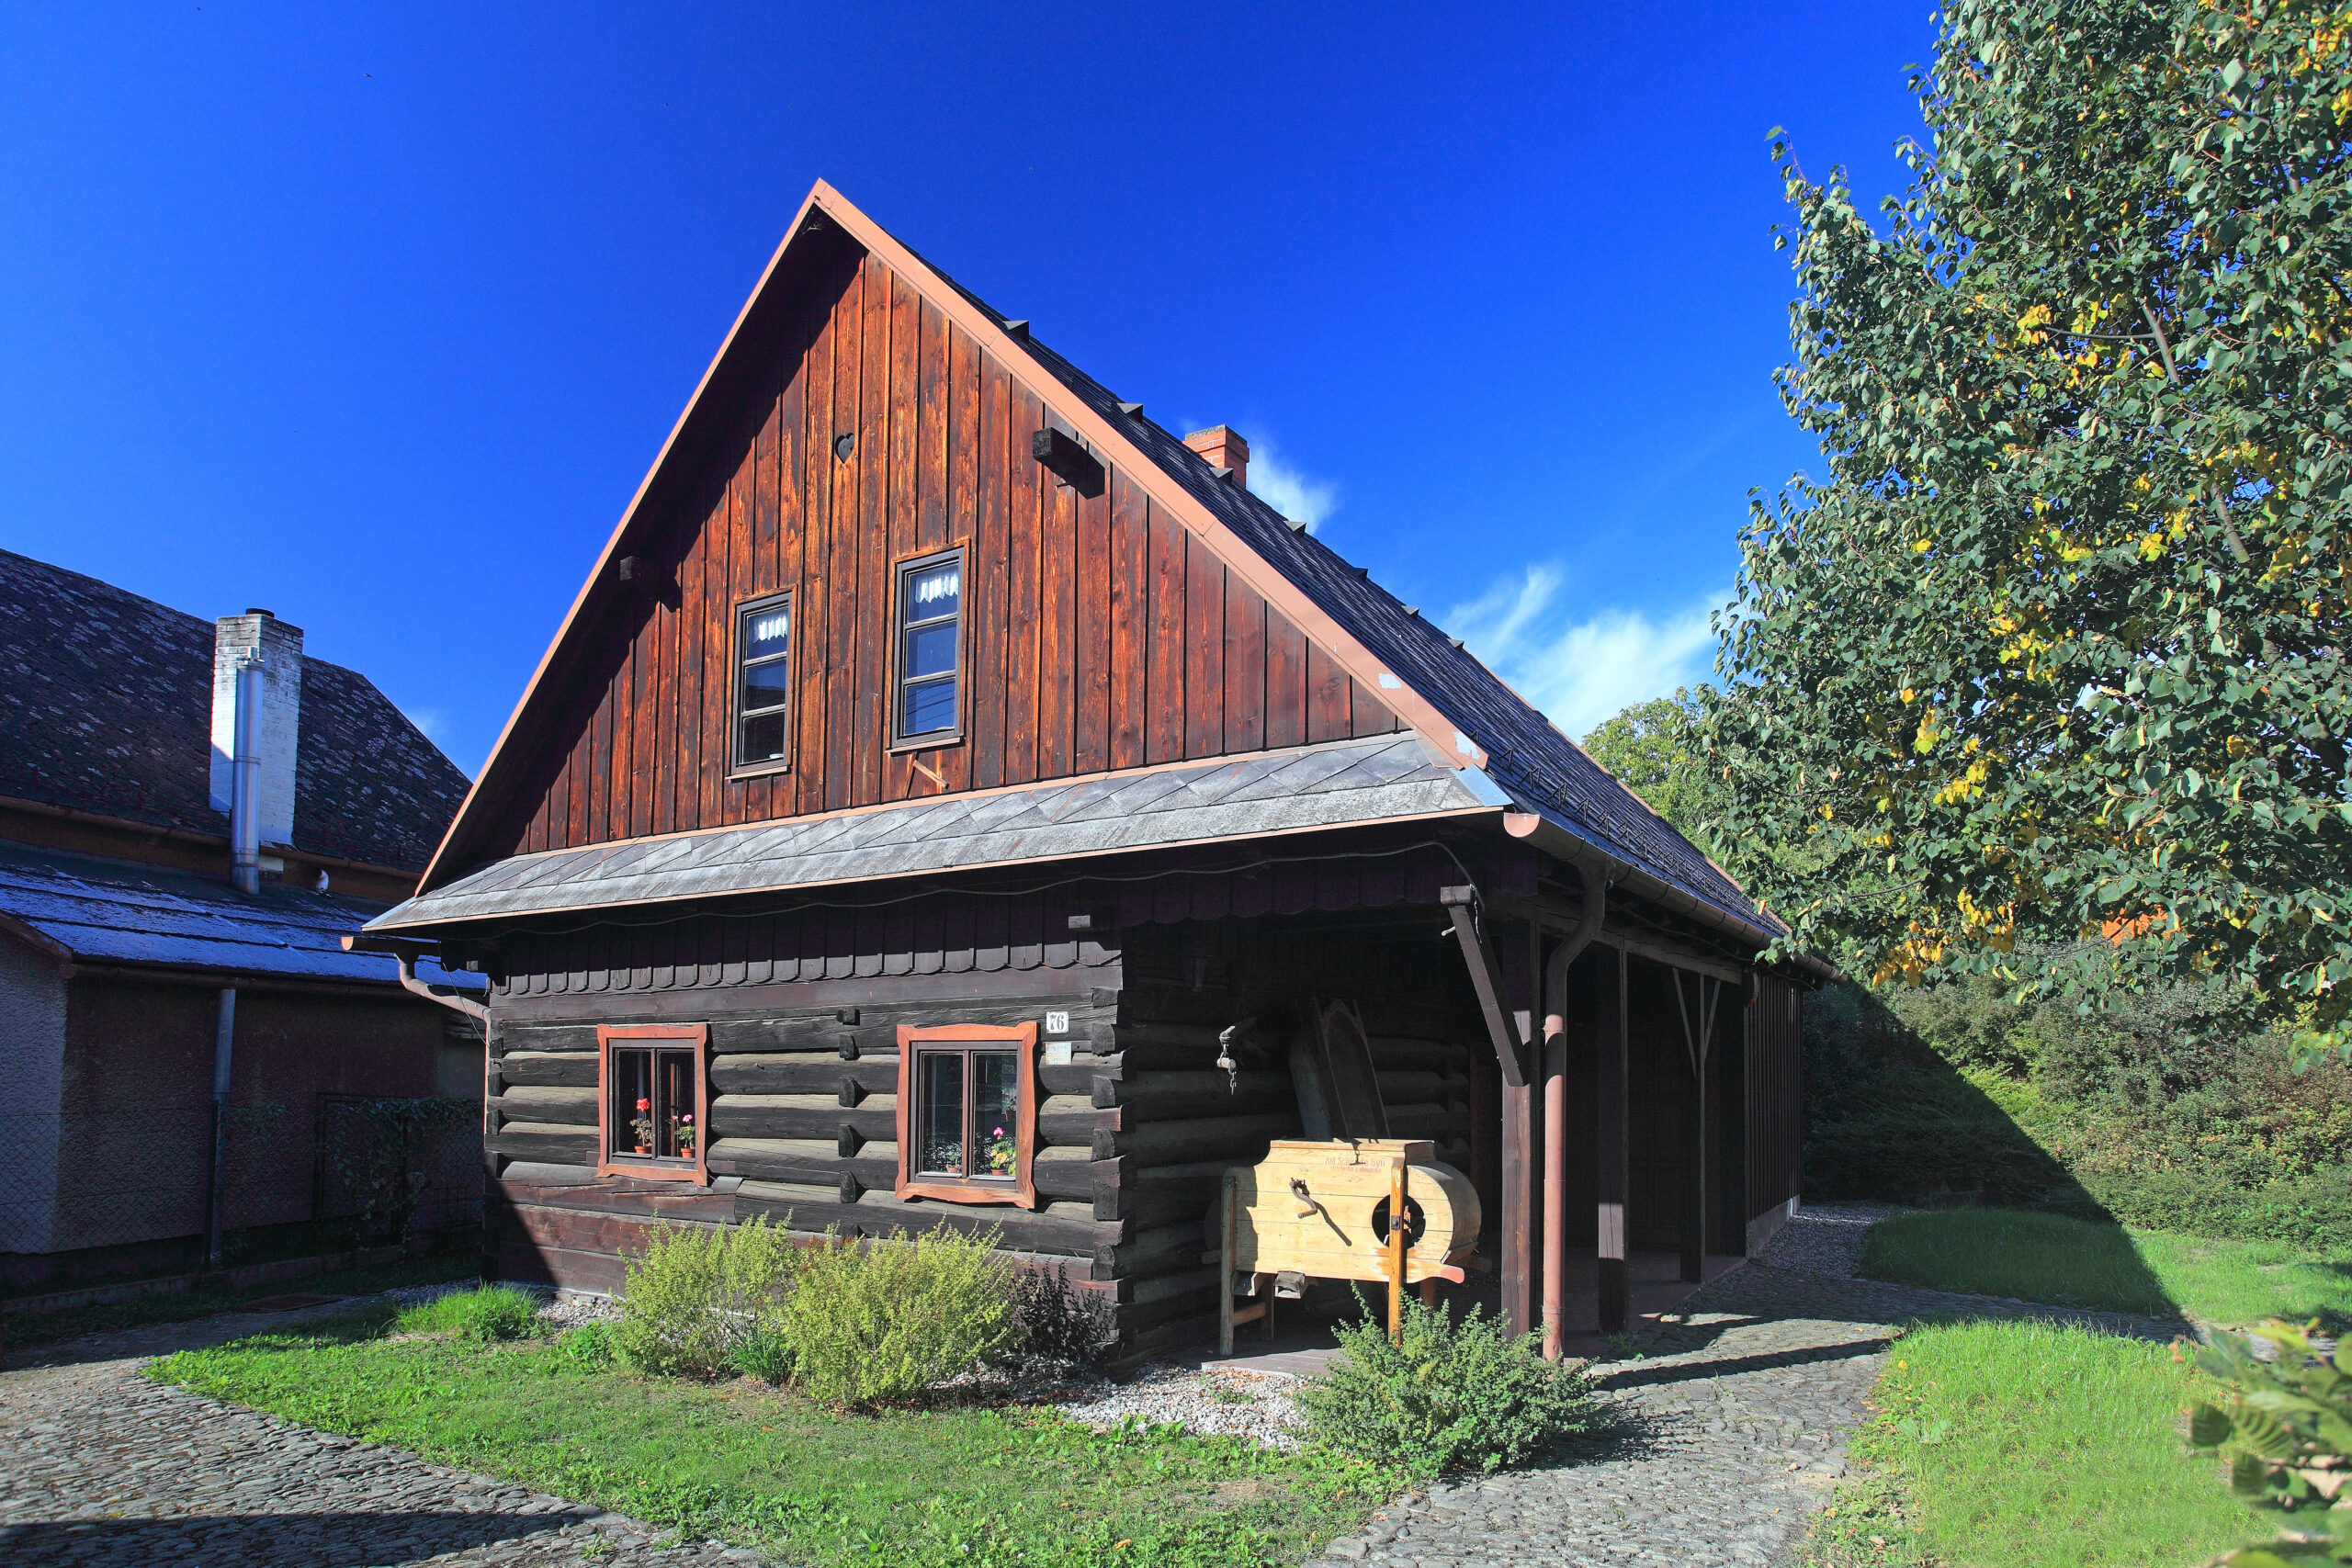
323, 1539
339, 1324
1887, 1118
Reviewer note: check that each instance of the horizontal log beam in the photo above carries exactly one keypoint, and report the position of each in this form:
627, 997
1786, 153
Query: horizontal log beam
571, 1107
1238, 1139
801, 1116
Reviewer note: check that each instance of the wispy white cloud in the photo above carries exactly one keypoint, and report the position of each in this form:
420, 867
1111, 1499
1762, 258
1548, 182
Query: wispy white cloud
433, 721
1581, 671
1286, 490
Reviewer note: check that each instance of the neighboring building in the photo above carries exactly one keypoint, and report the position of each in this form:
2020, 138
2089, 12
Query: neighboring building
943, 759
120, 932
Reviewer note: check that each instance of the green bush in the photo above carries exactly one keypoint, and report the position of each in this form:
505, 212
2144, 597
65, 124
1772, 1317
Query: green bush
764, 1353
1447, 1396
1054, 1326
880, 1323
491, 1312
699, 1293
2289, 1426
587, 1349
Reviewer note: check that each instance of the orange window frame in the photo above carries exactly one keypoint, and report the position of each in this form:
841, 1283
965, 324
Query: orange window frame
652, 1167
1023, 1039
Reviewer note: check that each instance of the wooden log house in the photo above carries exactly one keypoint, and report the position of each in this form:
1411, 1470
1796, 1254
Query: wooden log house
943, 757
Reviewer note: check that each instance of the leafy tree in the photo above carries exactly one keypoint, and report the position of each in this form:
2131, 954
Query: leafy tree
2056, 650
1657, 750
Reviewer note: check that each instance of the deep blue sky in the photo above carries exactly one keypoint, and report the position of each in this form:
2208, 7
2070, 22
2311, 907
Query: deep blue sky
374, 316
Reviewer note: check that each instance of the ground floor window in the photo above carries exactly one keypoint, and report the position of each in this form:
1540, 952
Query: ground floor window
652, 1100
968, 1112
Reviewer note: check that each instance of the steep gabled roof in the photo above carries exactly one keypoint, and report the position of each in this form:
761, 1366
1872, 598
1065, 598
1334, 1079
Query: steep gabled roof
106, 707
1442, 691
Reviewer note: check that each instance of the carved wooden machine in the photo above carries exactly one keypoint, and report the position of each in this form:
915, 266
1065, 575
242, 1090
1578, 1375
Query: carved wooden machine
1328, 1206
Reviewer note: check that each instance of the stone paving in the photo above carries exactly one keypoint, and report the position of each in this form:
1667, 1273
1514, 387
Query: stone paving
1729, 1430
100, 1466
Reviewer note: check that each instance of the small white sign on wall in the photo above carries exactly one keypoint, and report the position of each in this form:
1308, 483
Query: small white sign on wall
1057, 1023
1058, 1053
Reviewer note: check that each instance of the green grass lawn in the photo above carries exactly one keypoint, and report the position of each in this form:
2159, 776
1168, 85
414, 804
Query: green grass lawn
977, 1488
2069, 1262
2026, 1445
177, 1306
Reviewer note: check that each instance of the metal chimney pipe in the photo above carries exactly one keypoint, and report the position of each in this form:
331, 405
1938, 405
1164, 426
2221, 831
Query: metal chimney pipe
244, 816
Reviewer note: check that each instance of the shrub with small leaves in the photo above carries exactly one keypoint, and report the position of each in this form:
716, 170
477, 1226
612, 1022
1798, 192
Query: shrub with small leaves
2290, 1421
1447, 1395
491, 1312
699, 1293
881, 1321
1056, 1325
764, 1353
587, 1349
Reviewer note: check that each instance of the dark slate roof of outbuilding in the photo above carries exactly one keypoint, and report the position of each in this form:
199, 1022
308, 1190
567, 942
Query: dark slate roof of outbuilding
103, 911
1527, 755
106, 707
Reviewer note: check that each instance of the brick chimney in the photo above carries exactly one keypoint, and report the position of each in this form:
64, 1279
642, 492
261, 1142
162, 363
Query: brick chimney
235, 638
1223, 446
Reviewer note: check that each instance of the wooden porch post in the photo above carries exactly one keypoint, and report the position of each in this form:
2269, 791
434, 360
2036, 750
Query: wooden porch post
1611, 1141
1697, 1038
1521, 1153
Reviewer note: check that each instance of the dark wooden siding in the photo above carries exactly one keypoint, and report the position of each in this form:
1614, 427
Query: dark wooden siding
1774, 1080
1099, 634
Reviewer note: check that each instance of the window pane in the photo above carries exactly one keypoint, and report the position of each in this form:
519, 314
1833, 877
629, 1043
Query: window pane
940, 1090
996, 1114
764, 738
930, 707
675, 1135
935, 590
630, 1085
931, 650
766, 632
766, 685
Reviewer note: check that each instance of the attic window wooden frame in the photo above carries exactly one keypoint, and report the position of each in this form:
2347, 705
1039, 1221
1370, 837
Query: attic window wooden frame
900, 624
965, 1039
663, 1039
738, 715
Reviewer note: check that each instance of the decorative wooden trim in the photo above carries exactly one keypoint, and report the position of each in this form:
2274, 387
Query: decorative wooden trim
929, 740
1024, 1190
736, 767
649, 1169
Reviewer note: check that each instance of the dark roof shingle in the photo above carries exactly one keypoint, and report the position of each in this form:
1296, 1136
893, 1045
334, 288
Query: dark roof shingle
106, 707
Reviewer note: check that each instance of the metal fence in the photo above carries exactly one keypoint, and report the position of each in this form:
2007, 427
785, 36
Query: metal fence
344, 1169
393, 1170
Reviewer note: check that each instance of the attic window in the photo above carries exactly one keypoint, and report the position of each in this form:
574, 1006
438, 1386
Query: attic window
763, 683
927, 710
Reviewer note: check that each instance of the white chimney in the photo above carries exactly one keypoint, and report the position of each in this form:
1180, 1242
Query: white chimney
258, 636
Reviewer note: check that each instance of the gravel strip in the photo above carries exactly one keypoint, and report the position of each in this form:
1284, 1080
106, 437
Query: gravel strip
1229, 1403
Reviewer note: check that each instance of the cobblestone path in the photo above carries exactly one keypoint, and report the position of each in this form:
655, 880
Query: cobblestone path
100, 1466
1731, 1428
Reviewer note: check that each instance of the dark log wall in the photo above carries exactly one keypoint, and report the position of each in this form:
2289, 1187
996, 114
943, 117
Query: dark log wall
1134, 1129
1100, 635
1775, 1095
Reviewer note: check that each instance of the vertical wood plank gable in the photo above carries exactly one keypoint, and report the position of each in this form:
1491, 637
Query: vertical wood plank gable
1099, 634
1204, 650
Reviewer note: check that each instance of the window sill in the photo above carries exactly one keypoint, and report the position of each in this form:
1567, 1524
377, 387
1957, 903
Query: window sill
765, 771
939, 742
946, 1190
650, 1169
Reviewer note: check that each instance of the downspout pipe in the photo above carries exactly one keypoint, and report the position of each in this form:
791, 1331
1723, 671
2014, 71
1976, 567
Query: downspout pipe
224, 1035
244, 785
1556, 1101
447, 999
